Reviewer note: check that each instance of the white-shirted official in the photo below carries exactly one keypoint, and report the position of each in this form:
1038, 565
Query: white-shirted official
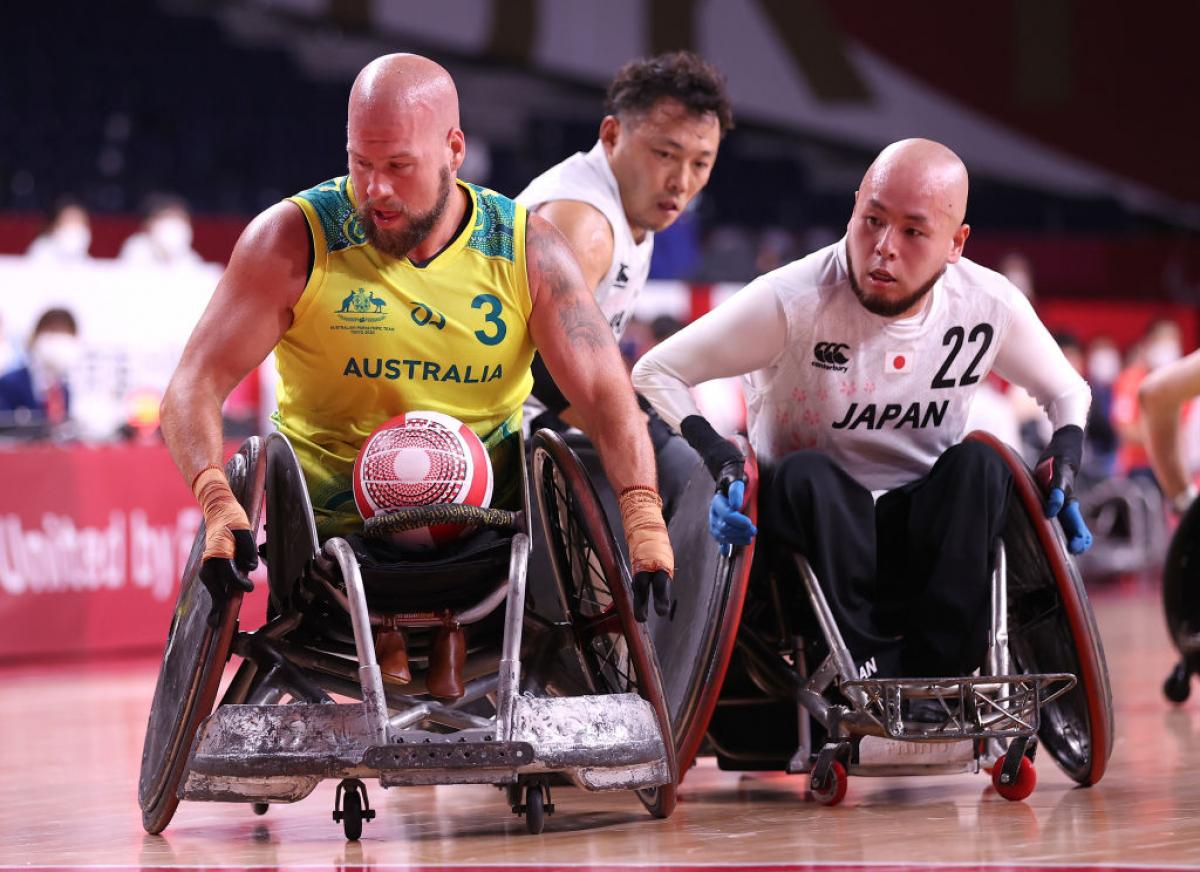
657, 145
860, 363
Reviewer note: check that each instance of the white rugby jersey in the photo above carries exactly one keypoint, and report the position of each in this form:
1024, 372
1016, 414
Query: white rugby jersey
589, 179
884, 397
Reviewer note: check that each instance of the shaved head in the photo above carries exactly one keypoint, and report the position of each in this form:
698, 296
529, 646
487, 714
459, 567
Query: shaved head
405, 147
923, 168
907, 225
404, 85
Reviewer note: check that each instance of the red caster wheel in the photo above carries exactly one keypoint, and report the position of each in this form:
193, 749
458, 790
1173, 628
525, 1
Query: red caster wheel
835, 790
1024, 784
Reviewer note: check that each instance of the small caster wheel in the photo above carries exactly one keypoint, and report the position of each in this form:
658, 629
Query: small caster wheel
834, 790
535, 809
260, 807
1178, 686
1021, 787
350, 807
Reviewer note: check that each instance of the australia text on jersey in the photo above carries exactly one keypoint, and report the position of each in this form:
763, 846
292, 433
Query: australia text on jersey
393, 368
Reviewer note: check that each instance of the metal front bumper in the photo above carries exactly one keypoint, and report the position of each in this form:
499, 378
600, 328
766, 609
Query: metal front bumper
279, 753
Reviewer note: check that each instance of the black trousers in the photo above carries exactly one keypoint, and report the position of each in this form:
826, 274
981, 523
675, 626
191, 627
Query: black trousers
908, 577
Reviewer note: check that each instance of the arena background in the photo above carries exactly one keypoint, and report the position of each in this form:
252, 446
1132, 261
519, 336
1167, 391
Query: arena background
1075, 119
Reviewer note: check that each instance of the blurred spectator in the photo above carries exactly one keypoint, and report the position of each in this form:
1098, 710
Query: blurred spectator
66, 237
166, 235
776, 247
1163, 399
35, 392
10, 357
663, 327
1159, 346
1100, 448
677, 249
729, 255
1017, 268
1102, 368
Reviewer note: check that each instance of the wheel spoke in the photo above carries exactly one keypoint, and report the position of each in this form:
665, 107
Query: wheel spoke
607, 621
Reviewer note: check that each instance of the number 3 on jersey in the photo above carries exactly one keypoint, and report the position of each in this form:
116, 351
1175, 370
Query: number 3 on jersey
980, 334
495, 335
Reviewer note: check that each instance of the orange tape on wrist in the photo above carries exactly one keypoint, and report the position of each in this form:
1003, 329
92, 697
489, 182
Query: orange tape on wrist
645, 531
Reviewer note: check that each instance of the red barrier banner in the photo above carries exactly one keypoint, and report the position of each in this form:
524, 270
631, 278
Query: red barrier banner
93, 541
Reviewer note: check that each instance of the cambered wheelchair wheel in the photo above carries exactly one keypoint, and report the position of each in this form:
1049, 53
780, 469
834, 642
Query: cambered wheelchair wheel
615, 650
193, 661
1181, 603
1052, 628
695, 642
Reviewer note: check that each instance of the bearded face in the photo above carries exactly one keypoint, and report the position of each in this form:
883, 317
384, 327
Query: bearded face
394, 228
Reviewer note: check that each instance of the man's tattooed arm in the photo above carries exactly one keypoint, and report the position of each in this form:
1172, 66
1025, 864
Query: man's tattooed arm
553, 273
581, 354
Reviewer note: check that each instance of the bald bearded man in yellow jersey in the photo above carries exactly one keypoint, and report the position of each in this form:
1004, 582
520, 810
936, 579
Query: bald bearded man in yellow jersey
394, 288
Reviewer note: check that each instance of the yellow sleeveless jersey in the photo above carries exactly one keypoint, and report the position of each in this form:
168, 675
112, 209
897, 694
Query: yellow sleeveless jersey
375, 336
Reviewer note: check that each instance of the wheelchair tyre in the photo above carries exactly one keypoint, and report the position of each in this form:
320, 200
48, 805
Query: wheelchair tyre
1052, 628
193, 661
352, 815
616, 651
1181, 583
835, 790
535, 810
696, 641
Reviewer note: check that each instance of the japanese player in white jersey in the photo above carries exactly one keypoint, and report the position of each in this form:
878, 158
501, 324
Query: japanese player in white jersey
860, 363
657, 146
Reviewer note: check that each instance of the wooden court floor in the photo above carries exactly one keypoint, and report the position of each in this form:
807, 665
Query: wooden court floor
70, 746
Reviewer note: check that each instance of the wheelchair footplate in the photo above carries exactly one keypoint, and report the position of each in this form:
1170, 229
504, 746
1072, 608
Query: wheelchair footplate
990, 707
280, 752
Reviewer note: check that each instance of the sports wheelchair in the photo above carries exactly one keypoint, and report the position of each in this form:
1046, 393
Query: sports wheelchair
570, 693
764, 687
1181, 602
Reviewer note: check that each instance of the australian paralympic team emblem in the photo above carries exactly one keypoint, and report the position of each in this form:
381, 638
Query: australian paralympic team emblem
362, 311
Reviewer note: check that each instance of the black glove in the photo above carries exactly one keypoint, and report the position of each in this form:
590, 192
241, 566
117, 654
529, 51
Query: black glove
645, 583
1055, 474
725, 463
223, 577
727, 524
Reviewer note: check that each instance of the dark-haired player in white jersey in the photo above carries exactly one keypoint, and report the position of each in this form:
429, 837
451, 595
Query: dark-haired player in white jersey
860, 364
657, 145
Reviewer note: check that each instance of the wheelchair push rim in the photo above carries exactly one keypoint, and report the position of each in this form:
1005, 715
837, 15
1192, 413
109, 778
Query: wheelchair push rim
596, 586
193, 661
1044, 613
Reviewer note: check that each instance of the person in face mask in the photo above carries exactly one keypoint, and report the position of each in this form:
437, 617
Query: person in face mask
1159, 346
67, 237
36, 393
165, 238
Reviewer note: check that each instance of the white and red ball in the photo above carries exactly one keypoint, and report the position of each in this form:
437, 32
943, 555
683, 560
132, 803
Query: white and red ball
419, 459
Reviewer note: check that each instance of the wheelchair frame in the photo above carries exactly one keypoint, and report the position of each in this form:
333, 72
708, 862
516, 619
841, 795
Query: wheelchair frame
252, 749
1058, 696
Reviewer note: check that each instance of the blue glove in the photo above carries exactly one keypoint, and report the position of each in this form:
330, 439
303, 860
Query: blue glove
1055, 472
728, 525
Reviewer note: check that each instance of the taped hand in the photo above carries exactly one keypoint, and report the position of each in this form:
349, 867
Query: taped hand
229, 549
650, 554
1055, 474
